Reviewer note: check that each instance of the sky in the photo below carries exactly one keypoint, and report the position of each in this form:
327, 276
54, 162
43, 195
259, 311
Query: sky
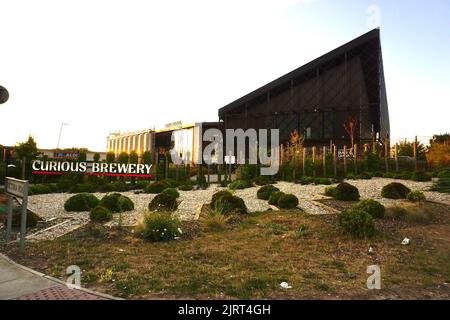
125, 65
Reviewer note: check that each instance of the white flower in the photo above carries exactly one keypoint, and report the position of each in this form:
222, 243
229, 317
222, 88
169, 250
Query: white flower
179, 230
165, 229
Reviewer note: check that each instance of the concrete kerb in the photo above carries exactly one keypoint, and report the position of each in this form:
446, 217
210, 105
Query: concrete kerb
57, 281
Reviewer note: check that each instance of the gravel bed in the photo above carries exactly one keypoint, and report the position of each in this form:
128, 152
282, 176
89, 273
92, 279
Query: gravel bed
51, 206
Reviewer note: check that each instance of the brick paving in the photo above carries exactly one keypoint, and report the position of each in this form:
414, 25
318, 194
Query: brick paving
59, 293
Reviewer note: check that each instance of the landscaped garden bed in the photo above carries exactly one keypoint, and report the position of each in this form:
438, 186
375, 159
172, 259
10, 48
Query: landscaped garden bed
251, 257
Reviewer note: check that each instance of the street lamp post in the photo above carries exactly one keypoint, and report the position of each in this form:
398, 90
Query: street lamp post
60, 131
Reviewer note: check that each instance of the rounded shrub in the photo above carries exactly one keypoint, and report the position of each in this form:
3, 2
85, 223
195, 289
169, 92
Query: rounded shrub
156, 187
416, 196
330, 191
141, 184
389, 175
395, 190
158, 227
265, 192
324, 181
240, 184
100, 214
372, 207
287, 201
81, 202
230, 204
274, 197
39, 189
364, 176
172, 191
171, 183
116, 202
306, 180
32, 218
346, 192
119, 186
358, 223
186, 187
163, 202
421, 176
216, 196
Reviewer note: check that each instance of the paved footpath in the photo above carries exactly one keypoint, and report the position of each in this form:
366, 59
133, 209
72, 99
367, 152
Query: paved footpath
20, 283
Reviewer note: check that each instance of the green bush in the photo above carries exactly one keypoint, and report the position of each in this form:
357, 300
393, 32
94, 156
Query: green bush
201, 179
265, 192
163, 202
346, 192
240, 184
358, 223
372, 207
170, 182
119, 186
287, 201
378, 174
421, 176
324, 181
416, 196
160, 227
443, 183
389, 175
395, 190
262, 180
230, 204
186, 187
172, 191
274, 197
81, 202
141, 184
83, 187
364, 176
39, 189
100, 214
216, 196
350, 176
403, 175
156, 187
116, 202
306, 180
330, 191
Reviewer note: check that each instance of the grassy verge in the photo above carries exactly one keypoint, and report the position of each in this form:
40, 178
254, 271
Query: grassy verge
251, 258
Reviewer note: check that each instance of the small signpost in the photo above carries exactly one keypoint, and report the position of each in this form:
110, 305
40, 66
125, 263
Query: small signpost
17, 188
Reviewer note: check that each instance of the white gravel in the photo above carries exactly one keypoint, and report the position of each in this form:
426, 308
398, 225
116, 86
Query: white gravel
49, 206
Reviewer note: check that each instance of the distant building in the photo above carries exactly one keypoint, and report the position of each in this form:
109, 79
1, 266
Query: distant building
139, 142
185, 139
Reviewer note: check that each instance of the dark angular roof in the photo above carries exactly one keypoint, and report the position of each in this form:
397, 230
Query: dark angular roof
373, 34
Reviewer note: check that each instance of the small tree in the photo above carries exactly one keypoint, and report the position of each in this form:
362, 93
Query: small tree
134, 157
147, 157
350, 128
27, 149
96, 157
82, 156
110, 157
406, 149
123, 157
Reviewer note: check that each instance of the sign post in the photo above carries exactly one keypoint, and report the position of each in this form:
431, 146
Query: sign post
18, 188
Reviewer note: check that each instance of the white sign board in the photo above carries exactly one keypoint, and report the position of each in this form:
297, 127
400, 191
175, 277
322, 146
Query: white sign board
16, 187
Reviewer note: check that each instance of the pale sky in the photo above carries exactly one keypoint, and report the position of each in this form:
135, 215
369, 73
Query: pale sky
109, 65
